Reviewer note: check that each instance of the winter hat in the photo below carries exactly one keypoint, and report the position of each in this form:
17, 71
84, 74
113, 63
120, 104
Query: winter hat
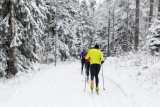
84, 49
96, 46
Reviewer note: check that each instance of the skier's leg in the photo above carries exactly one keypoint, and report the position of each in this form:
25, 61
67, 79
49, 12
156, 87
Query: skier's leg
97, 79
83, 62
96, 76
90, 71
81, 66
93, 70
87, 68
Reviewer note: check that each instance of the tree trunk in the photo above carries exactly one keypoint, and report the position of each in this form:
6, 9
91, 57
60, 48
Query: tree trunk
13, 49
108, 33
35, 48
127, 20
136, 39
159, 10
48, 39
151, 12
91, 37
37, 3
113, 38
1, 12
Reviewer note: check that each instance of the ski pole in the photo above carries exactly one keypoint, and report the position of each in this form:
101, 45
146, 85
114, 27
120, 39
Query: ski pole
103, 77
85, 83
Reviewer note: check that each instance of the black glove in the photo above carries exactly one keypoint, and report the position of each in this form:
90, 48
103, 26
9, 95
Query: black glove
102, 62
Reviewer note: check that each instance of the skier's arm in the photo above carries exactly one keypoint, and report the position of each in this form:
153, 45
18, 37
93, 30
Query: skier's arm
102, 58
80, 55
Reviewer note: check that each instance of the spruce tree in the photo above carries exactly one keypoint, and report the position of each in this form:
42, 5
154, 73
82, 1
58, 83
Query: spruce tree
22, 28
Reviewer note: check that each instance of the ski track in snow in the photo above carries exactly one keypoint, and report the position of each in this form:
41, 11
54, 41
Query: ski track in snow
116, 85
63, 87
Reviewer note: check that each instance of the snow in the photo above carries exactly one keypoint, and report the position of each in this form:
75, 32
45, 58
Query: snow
125, 83
32, 20
36, 9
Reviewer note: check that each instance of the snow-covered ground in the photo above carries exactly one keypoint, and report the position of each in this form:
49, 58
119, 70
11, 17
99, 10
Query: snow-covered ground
128, 82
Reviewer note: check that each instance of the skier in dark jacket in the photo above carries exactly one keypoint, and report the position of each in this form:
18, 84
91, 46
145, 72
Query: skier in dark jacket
82, 56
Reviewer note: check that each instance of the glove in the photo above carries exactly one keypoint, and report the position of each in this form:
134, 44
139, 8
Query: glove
102, 62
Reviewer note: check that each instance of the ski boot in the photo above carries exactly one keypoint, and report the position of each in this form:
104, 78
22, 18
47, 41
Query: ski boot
92, 85
97, 90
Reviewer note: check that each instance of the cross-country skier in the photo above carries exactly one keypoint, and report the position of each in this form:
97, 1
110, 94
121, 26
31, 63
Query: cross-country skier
96, 59
82, 56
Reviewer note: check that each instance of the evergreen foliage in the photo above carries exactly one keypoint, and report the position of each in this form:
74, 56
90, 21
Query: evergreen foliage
48, 30
154, 37
29, 28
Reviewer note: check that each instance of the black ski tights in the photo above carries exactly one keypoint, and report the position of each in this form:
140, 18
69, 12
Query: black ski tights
95, 68
87, 67
83, 63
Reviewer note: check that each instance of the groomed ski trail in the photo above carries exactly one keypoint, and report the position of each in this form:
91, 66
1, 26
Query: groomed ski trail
62, 86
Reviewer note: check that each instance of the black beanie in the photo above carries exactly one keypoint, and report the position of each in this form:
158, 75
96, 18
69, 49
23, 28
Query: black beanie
96, 46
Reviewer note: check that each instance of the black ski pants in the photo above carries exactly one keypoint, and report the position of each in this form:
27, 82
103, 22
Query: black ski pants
83, 60
95, 68
87, 67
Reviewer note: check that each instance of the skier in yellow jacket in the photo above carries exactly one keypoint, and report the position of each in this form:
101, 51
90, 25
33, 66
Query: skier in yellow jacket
96, 59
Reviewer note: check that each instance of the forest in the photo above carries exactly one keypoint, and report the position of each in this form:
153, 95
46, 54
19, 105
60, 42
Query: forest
47, 31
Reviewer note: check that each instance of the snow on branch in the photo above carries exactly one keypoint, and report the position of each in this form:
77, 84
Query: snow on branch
35, 7
5, 20
33, 20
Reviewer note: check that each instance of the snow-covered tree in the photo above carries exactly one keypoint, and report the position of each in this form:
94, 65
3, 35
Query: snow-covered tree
63, 26
154, 35
22, 26
70, 26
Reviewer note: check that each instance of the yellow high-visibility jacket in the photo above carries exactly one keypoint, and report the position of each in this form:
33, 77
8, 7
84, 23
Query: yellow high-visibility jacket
96, 56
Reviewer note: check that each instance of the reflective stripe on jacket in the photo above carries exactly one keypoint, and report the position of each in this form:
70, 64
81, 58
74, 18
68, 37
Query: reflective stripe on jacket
96, 56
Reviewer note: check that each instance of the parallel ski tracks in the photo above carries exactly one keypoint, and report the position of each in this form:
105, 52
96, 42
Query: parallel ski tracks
61, 84
46, 98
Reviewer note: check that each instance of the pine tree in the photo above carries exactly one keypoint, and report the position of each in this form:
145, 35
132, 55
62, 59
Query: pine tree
4, 26
23, 24
154, 35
